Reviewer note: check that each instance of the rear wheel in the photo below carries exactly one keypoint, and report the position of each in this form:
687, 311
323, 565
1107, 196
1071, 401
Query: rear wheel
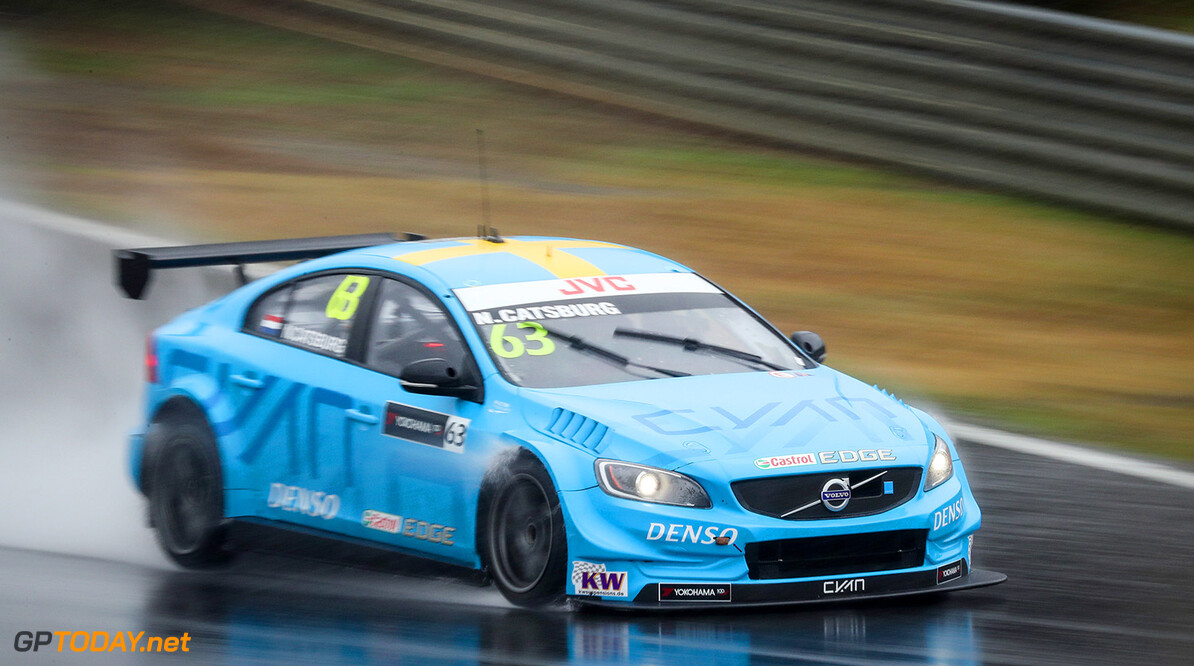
186, 501
525, 541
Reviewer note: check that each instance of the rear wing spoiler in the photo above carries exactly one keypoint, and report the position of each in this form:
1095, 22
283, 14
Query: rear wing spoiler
133, 267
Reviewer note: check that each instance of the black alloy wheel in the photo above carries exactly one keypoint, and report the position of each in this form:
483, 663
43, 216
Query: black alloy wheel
525, 536
187, 499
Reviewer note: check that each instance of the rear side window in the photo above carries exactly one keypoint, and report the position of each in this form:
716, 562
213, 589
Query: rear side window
267, 314
317, 313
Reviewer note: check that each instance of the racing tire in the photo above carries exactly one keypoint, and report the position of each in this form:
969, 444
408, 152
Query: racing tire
186, 501
526, 548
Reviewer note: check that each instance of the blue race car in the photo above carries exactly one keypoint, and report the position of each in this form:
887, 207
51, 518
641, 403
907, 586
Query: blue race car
576, 419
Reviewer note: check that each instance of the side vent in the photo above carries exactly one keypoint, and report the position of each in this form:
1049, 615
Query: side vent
573, 427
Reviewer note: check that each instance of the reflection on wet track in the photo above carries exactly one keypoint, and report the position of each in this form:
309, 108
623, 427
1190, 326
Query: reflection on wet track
279, 610
1100, 565
282, 624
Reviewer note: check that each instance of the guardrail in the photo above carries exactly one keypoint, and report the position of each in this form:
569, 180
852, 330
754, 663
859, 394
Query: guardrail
1084, 111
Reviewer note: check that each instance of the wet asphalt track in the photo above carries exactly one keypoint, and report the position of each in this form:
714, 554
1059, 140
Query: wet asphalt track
1101, 565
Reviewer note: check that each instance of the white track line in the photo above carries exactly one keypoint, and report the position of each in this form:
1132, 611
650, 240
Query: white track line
1079, 455
1070, 453
105, 234
76, 226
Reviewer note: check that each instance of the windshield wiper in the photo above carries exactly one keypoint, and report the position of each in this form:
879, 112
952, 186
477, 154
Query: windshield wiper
580, 344
692, 344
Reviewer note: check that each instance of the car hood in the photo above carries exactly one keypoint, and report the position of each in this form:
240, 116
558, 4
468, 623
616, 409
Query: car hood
744, 424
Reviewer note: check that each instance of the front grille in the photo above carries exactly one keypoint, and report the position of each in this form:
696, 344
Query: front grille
798, 496
836, 555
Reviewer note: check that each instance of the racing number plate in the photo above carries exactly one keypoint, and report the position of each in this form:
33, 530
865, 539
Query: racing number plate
444, 431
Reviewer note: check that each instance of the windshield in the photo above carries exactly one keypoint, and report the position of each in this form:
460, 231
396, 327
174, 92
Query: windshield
599, 330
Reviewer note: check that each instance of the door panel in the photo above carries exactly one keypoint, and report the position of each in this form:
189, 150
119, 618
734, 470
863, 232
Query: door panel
291, 403
419, 469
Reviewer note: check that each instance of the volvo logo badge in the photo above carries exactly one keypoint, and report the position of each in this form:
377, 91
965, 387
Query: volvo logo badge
835, 494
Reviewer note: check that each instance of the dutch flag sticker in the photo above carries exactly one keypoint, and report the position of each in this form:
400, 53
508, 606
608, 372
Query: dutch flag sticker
271, 325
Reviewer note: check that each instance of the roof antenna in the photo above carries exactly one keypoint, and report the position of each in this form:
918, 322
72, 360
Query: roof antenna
485, 230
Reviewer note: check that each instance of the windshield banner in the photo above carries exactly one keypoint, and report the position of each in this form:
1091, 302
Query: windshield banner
551, 291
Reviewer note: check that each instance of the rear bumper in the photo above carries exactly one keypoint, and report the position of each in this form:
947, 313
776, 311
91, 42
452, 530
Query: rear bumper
853, 588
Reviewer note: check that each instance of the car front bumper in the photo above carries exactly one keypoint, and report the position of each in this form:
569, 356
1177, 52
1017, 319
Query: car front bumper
629, 554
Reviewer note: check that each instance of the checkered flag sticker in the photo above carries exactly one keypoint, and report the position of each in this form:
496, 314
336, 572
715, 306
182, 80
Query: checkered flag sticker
581, 568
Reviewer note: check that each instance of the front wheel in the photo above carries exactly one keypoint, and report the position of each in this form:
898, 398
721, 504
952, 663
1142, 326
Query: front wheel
186, 501
526, 548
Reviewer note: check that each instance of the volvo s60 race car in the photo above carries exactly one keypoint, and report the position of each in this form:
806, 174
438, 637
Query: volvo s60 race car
577, 419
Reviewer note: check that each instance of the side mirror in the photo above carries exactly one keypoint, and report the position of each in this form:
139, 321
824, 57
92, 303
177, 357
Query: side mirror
810, 343
433, 376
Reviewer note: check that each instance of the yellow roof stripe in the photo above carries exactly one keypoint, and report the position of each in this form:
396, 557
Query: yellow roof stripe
560, 264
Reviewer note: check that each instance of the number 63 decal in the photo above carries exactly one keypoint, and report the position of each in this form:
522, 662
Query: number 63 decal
455, 431
512, 346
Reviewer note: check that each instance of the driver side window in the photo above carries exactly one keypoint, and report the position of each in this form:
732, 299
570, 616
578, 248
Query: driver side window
409, 326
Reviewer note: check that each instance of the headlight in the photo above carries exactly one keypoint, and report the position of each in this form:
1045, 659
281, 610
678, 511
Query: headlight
650, 484
941, 466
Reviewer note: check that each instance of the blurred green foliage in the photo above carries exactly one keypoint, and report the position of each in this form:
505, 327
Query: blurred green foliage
1168, 14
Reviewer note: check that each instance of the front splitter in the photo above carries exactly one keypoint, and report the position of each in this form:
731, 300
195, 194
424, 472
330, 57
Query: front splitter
847, 588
